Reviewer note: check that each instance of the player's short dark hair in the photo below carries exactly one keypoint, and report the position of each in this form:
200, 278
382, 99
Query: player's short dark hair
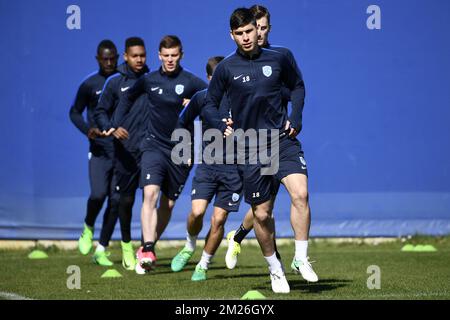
133, 42
241, 17
260, 12
212, 63
169, 42
106, 44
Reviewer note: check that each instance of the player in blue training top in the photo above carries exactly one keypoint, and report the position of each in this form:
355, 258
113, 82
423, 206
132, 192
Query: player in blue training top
253, 79
101, 149
126, 148
262, 16
212, 180
168, 90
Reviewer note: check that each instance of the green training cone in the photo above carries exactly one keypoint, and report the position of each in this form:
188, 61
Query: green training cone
425, 248
253, 295
37, 254
111, 273
408, 248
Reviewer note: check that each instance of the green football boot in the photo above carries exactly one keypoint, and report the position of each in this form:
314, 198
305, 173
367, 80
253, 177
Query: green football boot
199, 274
128, 258
101, 258
181, 259
85, 240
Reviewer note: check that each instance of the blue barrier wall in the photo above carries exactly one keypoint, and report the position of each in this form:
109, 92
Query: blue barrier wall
375, 135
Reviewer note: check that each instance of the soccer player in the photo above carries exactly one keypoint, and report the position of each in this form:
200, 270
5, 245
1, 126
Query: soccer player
126, 147
235, 237
168, 90
252, 79
101, 150
221, 181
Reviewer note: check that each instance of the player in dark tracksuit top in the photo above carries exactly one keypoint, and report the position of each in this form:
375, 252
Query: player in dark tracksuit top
168, 90
252, 79
127, 153
221, 181
235, 237
101, 149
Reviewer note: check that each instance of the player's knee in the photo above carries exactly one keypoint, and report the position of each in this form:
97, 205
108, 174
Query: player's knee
126, 201
300, 197
98, 196
262, 216
150, 197
197, 212
218, 219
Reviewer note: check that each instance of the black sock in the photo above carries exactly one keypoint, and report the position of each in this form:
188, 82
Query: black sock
240, 234
149, 247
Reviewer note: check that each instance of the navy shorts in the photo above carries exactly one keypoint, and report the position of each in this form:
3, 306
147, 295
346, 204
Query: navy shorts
224, 184
101, 174
126, 170
157, 168
260, 188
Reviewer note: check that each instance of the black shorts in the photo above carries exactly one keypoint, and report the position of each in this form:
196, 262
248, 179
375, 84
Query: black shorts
260, 188
126, 170
224, 184
101, 169
157, 168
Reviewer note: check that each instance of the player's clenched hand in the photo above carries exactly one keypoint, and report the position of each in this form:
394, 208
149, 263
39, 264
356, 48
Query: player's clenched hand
229, 122
186, 102
108, 133
228, 132
292, 132
120, 133
94, 133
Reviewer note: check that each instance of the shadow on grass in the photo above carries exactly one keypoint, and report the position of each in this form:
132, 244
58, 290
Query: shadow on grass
237, 276
164, 268
316, 287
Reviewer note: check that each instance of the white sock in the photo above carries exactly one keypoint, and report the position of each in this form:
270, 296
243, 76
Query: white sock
100, 248
205, 260
273, 262
191, 242
301, 249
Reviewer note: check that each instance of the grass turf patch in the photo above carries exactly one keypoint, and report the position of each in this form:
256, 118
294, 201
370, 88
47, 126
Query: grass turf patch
342, 269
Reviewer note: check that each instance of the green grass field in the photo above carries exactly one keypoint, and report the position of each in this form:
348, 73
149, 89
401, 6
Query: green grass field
342, 270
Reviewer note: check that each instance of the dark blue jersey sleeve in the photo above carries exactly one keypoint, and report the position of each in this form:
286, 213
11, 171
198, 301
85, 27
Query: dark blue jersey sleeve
127, 101
198, 84
191, 111
214, 96
224, 108
292, 61
293, 81
285, 92
79, 105
105, 105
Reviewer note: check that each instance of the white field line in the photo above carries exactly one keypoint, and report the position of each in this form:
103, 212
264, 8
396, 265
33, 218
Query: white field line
12, 296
